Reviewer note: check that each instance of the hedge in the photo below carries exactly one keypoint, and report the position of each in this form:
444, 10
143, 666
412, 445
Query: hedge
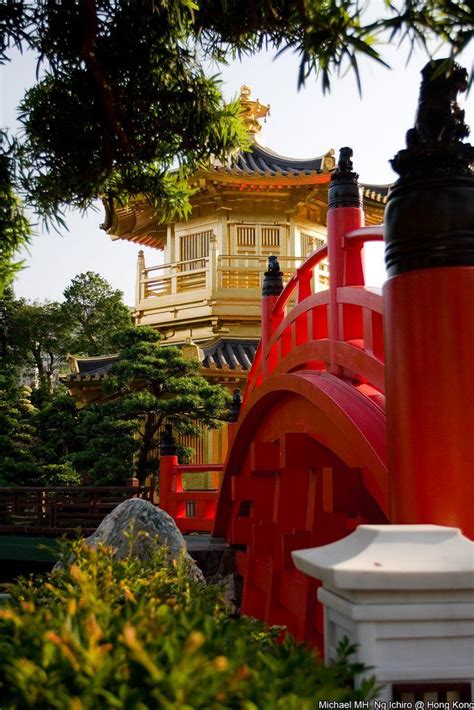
102, 633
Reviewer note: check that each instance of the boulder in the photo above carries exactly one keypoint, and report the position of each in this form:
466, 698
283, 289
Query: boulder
123, 530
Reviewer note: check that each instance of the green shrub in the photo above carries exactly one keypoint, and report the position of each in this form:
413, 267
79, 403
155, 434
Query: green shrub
110, 634
60, 474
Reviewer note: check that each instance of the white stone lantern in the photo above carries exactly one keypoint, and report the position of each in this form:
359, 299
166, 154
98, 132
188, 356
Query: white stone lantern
405, 595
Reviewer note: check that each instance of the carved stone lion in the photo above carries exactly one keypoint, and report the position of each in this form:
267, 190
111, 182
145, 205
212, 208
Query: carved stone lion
439, 117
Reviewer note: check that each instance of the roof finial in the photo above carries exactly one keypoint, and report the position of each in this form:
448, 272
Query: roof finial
253, 110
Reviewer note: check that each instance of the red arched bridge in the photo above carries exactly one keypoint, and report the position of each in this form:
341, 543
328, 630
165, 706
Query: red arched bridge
307, 462
308, 459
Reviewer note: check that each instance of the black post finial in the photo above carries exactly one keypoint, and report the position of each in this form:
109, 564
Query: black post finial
434, 144
234, 409
429, 218
344, 164
273, 278
167, 442
344, 189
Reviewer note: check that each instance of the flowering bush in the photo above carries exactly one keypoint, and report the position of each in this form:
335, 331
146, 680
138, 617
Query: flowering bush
101, 633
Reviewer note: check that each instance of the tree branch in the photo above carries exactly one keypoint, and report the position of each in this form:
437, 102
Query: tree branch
104, 89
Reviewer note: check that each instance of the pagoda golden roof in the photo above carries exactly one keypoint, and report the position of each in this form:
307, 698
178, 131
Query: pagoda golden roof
257, 173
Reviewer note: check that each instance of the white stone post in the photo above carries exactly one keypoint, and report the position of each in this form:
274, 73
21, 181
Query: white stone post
405, 595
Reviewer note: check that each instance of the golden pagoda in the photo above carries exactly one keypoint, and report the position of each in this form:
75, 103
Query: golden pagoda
206, 294
259, 203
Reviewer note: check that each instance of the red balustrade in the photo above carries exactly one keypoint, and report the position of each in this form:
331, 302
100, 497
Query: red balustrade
306, 337
192, 510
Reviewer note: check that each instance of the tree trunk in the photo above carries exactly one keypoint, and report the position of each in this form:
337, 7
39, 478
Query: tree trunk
151, 427
42, 378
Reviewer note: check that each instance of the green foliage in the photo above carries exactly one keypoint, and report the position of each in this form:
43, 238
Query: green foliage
106, 444
59, 474
40, 335
330, 36
17, 432
56, 425
9, 354
157, 385
15, 230
101, 444
123, 99
53, 443
94, 312
107, 633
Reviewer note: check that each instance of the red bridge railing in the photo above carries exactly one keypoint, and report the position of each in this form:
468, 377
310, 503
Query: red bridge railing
192, 510
339, 330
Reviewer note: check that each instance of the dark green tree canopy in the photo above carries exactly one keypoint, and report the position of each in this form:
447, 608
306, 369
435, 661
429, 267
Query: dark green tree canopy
15, 230
94, 312
41, 335
155, 384
18, 439
122, 97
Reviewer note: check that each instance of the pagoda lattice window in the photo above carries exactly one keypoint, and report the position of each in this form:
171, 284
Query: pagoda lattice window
270, 236
246, 236
309, 243
194, 250
256, 239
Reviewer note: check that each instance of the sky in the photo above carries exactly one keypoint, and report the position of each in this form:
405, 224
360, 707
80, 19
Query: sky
302, 124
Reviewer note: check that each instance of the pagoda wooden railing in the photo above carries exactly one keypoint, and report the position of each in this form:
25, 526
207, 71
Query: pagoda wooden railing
211, 274
57, 510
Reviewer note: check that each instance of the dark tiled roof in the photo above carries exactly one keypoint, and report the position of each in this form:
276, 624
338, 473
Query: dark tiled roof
230, 354
95, 366
224, 354
89, 368
262, 161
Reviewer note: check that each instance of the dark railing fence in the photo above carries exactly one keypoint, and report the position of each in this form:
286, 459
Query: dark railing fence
61, 509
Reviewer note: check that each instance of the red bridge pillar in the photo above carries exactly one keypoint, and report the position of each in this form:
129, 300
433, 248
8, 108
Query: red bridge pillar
271, 289
168, 463
429, 320
345, 214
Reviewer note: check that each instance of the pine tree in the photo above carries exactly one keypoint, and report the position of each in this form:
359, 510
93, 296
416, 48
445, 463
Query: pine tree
18, 441
153, 384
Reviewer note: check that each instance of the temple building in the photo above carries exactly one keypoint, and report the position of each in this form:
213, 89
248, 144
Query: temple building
205, 296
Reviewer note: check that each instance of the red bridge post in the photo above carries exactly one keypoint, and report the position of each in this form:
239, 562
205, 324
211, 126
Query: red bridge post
168, 463
429, 322
271, 289
345, 214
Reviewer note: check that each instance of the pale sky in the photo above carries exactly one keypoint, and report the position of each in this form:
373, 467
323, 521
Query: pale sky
302, 124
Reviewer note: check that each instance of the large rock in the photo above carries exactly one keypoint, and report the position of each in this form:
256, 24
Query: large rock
123, 530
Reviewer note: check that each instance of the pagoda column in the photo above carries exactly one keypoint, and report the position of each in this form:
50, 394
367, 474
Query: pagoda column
429, 313
212, 266
140, 279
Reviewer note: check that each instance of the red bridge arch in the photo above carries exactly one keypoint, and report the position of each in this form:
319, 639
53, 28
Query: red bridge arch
308, 462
